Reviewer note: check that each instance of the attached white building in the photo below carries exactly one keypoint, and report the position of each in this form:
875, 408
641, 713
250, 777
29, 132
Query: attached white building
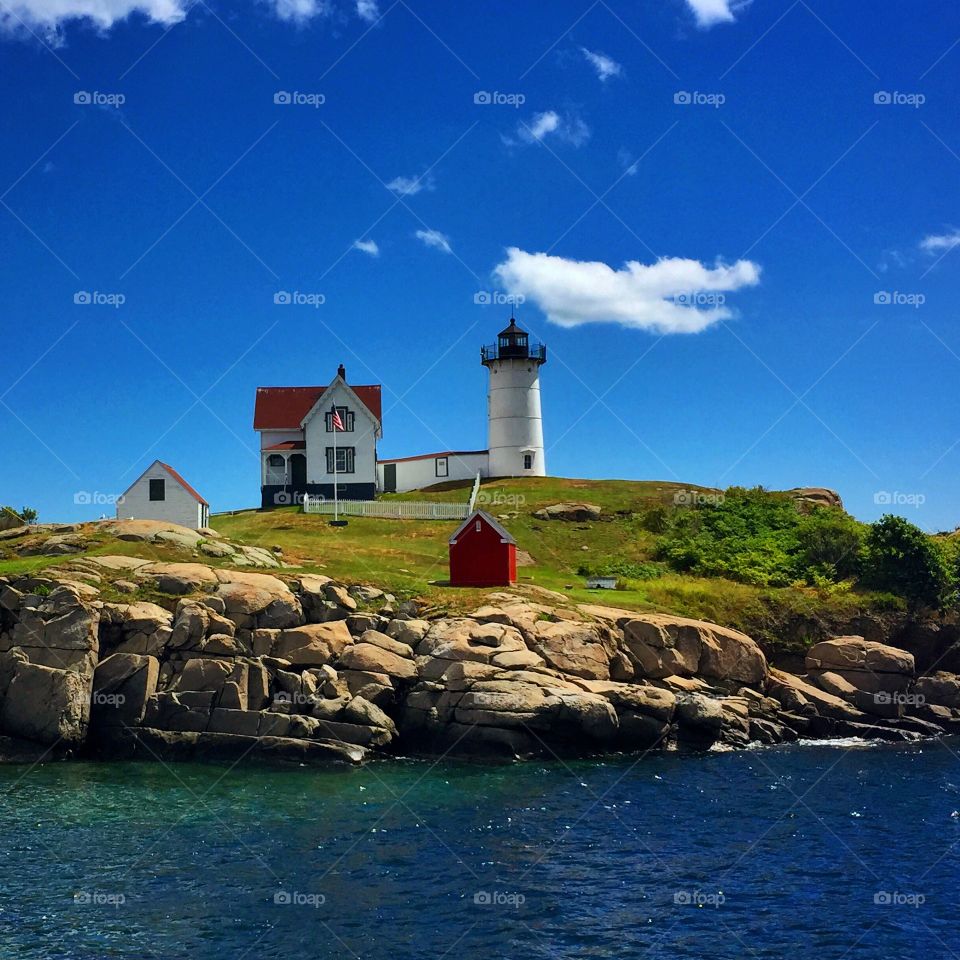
160, 493
297, 439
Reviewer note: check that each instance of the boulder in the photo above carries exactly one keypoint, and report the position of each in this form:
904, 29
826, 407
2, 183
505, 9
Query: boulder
177, 578
311, 645
45, 704
809, 497
940, 689
122, 686
578, 512
660, 646
580, 649
138, 628
374, 659
869, 666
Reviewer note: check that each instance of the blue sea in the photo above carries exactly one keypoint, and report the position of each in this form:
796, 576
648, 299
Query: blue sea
834, 852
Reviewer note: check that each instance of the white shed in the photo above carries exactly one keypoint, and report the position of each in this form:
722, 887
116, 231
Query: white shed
160, 493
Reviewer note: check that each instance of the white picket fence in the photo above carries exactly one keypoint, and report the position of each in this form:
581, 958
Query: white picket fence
395, 509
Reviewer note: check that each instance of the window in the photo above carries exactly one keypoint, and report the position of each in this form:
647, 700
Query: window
158, 490
345, 415
345, 459
442, 468
276, 469
528, 461
478, 527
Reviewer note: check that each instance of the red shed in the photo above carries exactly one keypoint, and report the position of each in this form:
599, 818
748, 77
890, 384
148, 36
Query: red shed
482, 553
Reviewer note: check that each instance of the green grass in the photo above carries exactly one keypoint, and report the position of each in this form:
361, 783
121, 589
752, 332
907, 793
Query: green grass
409, 557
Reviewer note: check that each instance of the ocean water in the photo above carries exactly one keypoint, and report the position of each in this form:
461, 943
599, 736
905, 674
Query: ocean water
841, 851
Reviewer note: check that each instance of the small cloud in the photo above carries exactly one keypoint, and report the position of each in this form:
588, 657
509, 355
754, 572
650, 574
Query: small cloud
673, 295
299, 11
938, 242
368, 10
367, 246
410, 186
605, 66
49, 167
435, 239
569, 128
711, 12
627, 161
47, 17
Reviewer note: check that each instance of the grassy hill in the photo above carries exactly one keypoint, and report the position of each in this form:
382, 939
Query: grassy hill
410, 557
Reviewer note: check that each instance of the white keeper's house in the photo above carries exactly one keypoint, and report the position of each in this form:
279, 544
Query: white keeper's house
303, 452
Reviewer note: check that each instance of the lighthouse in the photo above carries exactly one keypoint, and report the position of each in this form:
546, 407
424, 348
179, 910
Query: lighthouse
514, 420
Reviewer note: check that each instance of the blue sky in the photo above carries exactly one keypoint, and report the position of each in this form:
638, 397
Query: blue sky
718, 199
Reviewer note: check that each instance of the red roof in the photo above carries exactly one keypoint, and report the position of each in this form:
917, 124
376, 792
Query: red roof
183, 483
430, 456
289, 445
283, 408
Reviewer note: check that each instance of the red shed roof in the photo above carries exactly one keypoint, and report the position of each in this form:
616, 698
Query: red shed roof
505, 534
183, 483
283, 408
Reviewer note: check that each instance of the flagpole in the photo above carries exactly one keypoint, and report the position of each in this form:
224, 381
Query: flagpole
333, 423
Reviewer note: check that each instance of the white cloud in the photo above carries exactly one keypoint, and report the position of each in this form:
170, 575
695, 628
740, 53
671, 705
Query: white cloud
570, 128
410, 186
605, 66
367, 246
627, 161
711, 12
937, 242
47, 16
673, 295
436, 239
299, 11
368, 10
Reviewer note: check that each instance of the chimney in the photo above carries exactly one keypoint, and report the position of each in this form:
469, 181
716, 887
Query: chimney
342, 372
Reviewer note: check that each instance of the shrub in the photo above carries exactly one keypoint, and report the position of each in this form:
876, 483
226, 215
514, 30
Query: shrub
902, 559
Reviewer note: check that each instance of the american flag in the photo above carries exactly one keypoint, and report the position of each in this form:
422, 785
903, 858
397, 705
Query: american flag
335, 418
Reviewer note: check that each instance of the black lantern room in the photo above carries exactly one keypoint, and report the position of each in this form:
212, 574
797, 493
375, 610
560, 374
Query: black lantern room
513, 343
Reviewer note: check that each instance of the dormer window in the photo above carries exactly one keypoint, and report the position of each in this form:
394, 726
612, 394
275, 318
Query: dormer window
346, 417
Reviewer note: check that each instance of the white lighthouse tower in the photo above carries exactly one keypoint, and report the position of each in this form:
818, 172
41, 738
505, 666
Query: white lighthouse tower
515, 423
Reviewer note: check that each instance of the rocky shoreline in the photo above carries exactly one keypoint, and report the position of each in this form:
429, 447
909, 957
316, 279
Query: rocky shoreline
234, 665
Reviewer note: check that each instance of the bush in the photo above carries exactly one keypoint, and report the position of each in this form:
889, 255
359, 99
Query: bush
830, 545
902, 559
623, 569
